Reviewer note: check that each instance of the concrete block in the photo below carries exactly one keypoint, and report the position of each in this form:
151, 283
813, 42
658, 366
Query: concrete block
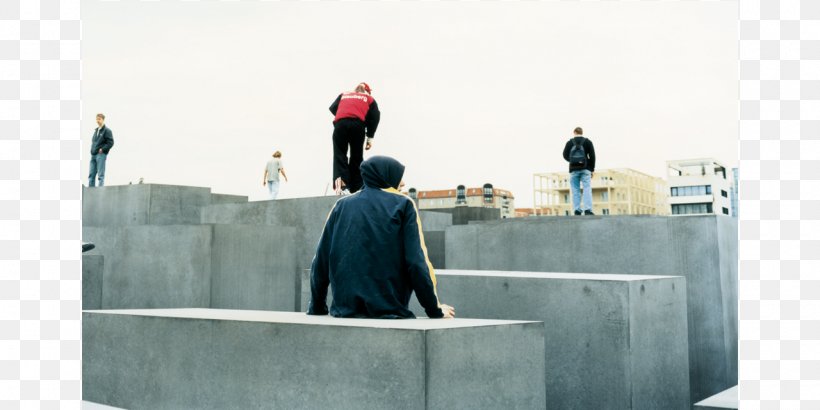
307, 216
703, 249
222, 266
149, 266
611, 341
254, 267
434, 241
228, 359
462, 215
92, 281
143, 204
228, 199
435, 221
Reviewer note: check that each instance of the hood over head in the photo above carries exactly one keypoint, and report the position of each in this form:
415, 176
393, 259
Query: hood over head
382, 172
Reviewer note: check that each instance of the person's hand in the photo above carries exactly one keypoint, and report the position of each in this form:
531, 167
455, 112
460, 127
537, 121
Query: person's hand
368, 144
100, 151
449, 311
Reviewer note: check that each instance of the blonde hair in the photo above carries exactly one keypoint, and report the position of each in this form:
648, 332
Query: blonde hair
277, 154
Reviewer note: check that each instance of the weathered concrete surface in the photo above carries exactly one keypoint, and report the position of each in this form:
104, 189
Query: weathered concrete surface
701, 248
253, 267
92, 281
228, 359
435, 221
308, 216
463, 215
611, 341
172, 266
148, 204
148, 266
228, 199
434, 242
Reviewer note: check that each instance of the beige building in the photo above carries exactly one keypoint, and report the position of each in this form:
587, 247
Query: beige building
484, 197
620, 191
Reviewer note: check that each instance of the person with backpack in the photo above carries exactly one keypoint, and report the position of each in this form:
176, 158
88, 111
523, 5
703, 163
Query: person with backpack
580, 153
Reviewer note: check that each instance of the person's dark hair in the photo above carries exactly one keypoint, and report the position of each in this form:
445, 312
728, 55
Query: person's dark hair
101, 115
277, 154
578, 131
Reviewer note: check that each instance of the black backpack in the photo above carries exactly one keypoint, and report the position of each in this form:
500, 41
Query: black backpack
577, 154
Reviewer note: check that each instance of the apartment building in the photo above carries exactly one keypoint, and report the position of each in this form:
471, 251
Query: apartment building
699, 186
620, 191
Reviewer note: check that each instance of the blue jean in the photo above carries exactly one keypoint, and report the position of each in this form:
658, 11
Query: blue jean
576, 178
273, 189
97, 168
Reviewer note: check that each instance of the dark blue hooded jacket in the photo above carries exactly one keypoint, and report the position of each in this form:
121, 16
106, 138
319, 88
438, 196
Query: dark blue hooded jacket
372, 252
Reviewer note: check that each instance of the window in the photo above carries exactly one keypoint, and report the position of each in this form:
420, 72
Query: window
566, 213
692, 190
605, 196
725, 211
566, 198
688, 209
488, 193
461, 197
724, 193
605, 211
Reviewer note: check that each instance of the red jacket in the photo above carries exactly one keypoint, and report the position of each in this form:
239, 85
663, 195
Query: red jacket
359, 106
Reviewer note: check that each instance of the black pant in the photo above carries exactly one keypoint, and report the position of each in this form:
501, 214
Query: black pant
348, 132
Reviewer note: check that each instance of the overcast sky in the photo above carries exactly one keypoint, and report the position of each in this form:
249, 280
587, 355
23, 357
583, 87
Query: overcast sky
201, 93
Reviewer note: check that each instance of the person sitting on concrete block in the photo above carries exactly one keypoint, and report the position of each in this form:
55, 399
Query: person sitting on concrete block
372, 252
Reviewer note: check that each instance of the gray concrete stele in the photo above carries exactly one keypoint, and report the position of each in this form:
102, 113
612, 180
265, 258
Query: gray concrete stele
611, 341
703, 249
240, 359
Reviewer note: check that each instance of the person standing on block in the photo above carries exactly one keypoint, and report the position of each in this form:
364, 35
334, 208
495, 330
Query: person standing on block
355, 117
101, 144
580, 153
271, 178
372, 253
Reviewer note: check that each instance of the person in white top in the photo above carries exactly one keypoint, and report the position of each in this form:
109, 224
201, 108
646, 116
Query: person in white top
271, 178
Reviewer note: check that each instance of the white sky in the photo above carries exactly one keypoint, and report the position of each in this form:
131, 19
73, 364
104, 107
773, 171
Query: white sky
201, 93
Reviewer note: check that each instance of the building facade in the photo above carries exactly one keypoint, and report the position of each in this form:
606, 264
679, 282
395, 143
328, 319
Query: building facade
620, 191
699, 186
484, 197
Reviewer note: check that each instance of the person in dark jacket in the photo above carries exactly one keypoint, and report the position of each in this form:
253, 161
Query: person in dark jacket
580, 172
101, 144
355, 116
372, 253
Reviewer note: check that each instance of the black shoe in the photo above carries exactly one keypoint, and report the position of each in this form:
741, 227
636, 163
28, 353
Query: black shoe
87, 246
577, 212
588, 212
